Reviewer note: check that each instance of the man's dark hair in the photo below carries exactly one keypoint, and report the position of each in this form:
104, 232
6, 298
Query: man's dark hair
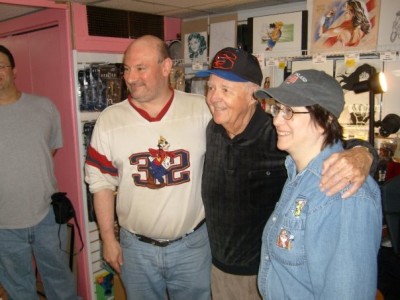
7, 52
164, 51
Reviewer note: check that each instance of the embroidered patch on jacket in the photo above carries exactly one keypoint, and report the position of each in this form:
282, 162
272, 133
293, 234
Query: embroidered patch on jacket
299, 207
285, 239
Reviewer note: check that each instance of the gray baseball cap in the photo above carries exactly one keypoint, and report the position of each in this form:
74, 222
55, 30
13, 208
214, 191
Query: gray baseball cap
308, 87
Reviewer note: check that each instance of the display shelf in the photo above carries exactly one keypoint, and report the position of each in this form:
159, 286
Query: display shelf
93, 252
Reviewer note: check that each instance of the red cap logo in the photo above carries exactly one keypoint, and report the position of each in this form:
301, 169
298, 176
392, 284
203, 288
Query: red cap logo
224, 60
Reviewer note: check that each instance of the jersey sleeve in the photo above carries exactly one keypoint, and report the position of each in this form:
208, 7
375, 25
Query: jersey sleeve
100, 172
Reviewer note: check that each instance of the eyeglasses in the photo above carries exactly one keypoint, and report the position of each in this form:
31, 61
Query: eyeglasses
2, 67
287, 112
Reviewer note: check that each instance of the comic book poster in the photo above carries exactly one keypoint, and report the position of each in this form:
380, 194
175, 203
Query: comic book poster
280, 35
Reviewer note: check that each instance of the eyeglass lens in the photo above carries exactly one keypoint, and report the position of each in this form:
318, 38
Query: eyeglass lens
287, 112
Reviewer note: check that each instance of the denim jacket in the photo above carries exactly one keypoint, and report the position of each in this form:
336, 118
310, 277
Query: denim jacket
320, 247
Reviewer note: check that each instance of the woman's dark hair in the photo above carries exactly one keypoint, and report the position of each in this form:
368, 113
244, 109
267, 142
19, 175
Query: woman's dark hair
359, 18
7, 52
332, 129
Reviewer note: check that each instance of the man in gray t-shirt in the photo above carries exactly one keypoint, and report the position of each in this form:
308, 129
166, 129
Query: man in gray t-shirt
30, 135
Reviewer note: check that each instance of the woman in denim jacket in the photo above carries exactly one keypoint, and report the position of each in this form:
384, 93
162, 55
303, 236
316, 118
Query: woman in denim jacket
316, 246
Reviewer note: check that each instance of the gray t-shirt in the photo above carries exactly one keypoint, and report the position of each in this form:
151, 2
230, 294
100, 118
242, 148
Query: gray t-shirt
30, 130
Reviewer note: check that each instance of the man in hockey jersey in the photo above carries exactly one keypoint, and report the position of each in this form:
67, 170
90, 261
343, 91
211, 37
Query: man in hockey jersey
163, 246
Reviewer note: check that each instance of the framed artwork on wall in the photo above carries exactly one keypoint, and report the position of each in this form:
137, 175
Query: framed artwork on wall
340, 26
280, 35
195, 47
389, 26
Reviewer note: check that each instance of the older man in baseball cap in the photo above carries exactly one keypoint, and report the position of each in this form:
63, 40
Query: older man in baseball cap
244, 172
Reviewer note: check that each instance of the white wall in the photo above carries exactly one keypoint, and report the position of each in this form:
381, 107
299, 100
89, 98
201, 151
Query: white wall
243, 15
391, 99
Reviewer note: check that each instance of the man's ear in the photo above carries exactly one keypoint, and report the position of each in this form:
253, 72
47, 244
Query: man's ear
167, 66
253, 89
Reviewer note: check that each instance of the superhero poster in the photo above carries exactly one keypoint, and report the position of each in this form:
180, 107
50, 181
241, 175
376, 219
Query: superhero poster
340, 26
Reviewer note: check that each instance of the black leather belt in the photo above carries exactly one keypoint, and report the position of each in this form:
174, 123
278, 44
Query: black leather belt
165, 243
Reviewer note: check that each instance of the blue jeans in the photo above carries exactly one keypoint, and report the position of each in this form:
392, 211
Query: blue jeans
182, 268
17, 248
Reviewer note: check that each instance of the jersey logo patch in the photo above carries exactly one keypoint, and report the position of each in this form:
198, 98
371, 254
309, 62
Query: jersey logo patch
160, 167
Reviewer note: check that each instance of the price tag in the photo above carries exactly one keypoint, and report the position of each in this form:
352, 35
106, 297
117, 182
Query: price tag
271, 62
388, 56
281, 64
197, 66
350, 60
319, 59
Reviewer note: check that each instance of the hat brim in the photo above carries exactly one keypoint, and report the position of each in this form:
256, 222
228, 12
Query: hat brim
285, 95
221, 73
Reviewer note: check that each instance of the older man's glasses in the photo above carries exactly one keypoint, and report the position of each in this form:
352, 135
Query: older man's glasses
287, 112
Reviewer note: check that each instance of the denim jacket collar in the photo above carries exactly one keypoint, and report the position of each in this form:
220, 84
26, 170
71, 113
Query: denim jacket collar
314, 165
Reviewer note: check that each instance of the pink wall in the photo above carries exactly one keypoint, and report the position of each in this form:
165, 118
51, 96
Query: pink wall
71, 36
172, 28
81, 39
84, 42
41, 3
31, 69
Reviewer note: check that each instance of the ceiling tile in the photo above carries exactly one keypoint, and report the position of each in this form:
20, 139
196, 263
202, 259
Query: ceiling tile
170, 8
